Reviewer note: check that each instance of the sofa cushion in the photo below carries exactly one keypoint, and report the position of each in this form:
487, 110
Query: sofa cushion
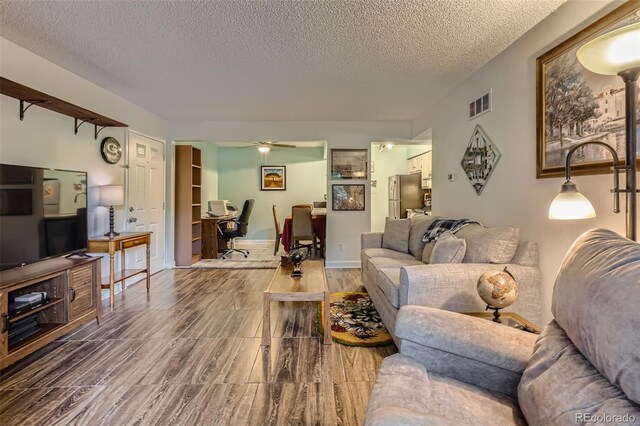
560, 386
388, 253
526, 254
406, 394
595, 301
489, 245
426, 252
389, 283
419, 225
375, 264
448, 249
396, 234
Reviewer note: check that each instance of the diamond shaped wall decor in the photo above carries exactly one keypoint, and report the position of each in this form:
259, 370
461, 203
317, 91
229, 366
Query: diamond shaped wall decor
479, 159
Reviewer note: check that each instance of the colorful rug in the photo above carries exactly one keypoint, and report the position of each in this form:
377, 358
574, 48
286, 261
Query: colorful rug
236, 264
355, 321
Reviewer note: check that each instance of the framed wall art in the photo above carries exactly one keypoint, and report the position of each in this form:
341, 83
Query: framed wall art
575, 105
347, 197
349, 164
273, 178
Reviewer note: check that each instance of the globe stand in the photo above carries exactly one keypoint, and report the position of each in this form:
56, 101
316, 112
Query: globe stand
496, 313
297, 272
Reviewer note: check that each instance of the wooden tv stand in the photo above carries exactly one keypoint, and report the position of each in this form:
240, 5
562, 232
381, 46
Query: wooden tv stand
72, 286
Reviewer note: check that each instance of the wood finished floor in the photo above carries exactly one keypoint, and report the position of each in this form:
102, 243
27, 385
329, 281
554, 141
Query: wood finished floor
189, 353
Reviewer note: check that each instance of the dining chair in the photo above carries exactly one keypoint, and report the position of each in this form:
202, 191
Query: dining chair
302, 226
278, 230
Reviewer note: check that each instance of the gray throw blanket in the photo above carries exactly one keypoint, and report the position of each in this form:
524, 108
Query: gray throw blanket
440, 226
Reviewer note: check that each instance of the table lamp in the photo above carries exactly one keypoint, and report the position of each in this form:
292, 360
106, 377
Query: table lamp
110, 196
614, 53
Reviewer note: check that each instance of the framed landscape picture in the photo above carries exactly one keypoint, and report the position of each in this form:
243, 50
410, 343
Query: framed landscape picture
273, 178
574, 105
349, 164
347, 197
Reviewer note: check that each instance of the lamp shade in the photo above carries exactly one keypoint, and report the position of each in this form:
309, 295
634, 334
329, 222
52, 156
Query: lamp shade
111, 195
613, 52
570, 204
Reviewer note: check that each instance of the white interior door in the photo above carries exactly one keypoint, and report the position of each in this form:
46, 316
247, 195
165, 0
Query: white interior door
145, 201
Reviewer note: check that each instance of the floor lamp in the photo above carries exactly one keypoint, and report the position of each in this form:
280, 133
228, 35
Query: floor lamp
613, 53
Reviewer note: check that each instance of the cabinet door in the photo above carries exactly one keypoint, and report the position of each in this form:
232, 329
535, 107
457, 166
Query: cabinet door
82, 290
426, 165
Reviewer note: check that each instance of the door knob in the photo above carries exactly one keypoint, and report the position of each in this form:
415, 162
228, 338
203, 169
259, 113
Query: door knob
131, 208
133, 219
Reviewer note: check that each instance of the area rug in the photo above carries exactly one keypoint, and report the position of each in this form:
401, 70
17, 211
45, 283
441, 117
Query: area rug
355, 320
236, 264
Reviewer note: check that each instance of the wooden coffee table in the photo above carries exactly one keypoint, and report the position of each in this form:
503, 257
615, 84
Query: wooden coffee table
311, 287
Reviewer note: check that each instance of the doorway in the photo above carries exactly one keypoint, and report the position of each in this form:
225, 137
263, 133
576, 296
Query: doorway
145, 198
391, 159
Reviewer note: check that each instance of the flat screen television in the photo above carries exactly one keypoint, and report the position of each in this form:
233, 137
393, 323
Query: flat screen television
43, 214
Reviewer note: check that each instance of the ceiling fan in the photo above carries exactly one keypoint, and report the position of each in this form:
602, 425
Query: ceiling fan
266, 146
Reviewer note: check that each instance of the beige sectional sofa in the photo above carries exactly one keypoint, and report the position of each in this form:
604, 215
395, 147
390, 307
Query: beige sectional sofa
394, 278
584, 368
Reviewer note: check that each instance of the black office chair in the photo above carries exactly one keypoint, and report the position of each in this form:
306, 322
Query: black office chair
240, 228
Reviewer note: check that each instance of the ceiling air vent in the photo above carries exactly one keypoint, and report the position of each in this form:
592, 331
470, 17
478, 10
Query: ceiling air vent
480, 105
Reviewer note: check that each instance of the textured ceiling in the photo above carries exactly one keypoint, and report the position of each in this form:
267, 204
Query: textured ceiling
273, 60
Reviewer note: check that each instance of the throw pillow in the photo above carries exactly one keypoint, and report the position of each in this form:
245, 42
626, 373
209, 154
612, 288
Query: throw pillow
396, 234
489, 245
448, 249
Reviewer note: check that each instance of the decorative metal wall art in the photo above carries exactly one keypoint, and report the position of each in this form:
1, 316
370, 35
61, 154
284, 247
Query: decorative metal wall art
479, 159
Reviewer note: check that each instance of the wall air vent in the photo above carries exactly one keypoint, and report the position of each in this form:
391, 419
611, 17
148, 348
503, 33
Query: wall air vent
480, 105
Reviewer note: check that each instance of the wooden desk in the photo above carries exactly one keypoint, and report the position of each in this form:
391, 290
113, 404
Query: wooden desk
120, 243
210, 236
311, 287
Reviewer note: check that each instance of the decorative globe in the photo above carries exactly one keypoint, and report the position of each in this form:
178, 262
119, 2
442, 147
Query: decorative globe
498, 289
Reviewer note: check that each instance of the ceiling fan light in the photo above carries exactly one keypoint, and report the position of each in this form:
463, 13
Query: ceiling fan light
264, 149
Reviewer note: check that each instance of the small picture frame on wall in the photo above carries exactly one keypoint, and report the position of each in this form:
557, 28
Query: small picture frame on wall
348, 164
273, 178
348, 197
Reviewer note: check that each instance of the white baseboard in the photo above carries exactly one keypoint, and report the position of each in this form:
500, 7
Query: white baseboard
340, 264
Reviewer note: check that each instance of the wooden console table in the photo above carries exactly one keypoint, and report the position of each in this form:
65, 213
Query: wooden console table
120, 243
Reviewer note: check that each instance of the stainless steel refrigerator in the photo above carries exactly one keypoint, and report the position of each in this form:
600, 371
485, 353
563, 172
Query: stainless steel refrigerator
405, 192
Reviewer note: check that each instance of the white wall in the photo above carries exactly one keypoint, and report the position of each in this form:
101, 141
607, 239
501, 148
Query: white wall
513, 195
239, 180
46, 138
343, 228
388, 163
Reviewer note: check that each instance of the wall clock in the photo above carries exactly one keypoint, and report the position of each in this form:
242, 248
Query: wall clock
111, 150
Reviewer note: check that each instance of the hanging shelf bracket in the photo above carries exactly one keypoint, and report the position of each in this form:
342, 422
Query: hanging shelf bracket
82, 121
96, 132
24, 109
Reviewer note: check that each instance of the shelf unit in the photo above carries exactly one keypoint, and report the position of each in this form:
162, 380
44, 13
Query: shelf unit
29, 97
188, 240
72, 288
